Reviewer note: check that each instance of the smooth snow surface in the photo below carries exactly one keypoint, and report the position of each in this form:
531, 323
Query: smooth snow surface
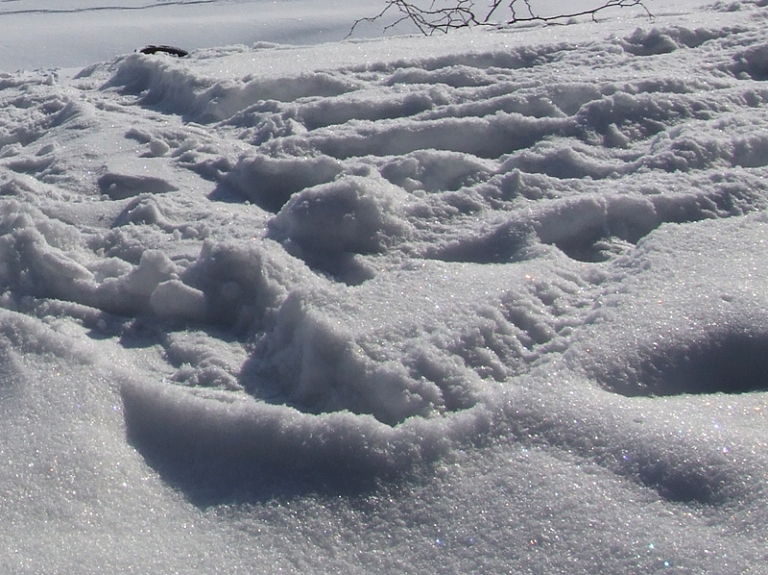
72, 33
491, 302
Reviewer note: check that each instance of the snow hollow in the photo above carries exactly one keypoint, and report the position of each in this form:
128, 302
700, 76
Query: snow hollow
490, 302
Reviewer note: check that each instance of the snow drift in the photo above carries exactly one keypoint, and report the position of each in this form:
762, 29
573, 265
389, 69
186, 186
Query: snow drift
488, 302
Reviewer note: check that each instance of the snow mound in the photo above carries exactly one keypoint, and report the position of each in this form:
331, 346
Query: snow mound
468, 161
525, 273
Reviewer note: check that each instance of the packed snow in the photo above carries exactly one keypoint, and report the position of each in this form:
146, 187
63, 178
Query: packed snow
485, 302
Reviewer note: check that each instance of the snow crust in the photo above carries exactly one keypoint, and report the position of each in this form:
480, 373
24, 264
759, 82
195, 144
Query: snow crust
489, 302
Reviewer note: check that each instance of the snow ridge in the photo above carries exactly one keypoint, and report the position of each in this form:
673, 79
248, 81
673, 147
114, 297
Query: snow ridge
346, 278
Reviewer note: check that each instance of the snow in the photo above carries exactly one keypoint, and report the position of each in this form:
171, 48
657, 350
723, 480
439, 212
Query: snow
493, 301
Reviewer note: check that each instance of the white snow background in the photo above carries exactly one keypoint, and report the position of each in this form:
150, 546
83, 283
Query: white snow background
490, 302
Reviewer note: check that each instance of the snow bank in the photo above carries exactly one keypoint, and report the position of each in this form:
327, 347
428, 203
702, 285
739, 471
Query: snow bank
305, 316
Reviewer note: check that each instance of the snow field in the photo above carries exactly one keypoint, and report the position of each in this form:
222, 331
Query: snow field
491, 302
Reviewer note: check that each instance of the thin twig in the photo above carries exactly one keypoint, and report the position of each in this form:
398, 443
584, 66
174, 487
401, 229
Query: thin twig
446, 15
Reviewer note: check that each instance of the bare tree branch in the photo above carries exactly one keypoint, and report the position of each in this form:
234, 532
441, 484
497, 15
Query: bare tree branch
592, 13
430, 16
